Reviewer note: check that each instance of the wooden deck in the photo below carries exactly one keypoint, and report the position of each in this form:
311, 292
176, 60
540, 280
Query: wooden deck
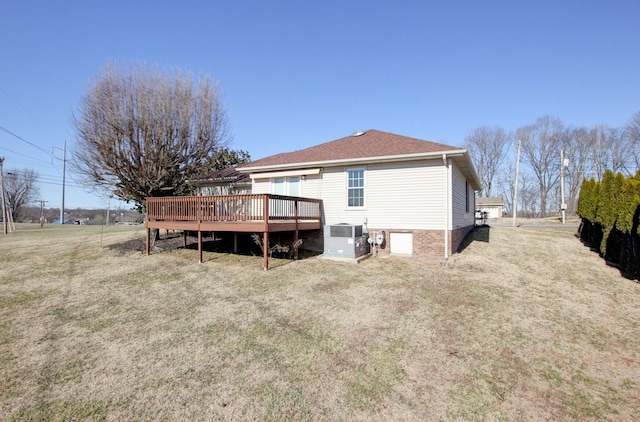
261, 213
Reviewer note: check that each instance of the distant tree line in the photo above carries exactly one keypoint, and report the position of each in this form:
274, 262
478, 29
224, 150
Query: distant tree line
589, 151
610, 218
31, 214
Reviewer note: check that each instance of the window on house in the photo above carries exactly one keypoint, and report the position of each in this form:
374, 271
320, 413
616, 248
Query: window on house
466, 193
355, 188
285, 186
289, 186
293, 186
278, 186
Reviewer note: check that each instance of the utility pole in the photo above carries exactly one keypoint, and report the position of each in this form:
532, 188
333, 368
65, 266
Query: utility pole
564, 162
515, 186
108, 209
64, 167
563, 206
42, 202
4, 207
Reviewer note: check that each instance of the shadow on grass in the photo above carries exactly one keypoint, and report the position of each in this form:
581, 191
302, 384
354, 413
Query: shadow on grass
128, 246
478, 234
623, 272
221, 244
630, 271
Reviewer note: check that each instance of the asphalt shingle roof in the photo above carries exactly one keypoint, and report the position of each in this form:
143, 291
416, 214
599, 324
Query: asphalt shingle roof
372, 143
229, 175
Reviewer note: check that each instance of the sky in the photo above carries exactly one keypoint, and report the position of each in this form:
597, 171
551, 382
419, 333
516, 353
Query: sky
299, 73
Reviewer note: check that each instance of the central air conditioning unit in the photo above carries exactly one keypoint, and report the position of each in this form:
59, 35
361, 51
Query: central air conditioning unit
344, 241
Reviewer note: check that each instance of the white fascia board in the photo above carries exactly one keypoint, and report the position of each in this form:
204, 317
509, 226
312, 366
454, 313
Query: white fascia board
476, 184
353, 161
290, 173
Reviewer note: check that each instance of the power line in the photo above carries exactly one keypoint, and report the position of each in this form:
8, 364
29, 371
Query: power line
24, 155
45, 179
24, 108
28, 170
24, 140
78, 187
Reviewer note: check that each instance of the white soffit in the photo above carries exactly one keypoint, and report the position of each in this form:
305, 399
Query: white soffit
290, 173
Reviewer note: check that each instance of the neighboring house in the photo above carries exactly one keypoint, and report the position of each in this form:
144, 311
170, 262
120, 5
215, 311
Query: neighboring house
228, 181
493, 206
419, 195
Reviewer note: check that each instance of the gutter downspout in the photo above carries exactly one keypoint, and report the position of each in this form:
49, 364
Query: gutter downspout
447, 207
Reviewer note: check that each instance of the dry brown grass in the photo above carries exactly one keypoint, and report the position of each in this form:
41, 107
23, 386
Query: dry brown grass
530, 325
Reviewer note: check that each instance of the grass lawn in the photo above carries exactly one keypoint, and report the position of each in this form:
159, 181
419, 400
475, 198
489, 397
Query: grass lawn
524, 324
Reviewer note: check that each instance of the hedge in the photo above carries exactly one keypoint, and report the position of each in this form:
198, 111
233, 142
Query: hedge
610, 219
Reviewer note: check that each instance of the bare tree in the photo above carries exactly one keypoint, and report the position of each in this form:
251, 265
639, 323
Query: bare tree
619, 154
528, 196
142, 132
20, 190
600, 153
577, 146
528, 203
541, 144
608, 150
486, 147
505, 185
632, 136
590, 152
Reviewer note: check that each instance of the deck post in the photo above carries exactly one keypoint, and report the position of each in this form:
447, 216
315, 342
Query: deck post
295, 233
265, 239
200, 244
235, 242
265, 247
148, 240
184, 238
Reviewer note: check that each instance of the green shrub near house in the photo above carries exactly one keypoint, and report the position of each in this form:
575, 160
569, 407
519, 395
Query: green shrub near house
610, 214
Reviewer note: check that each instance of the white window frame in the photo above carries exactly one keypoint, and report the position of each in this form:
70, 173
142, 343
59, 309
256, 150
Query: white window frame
363, 187
286, 184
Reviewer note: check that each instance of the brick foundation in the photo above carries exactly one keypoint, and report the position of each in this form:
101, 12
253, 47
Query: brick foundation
427, 244
457, 237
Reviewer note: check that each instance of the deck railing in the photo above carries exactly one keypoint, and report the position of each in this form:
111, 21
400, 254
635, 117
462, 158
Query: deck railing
251, 207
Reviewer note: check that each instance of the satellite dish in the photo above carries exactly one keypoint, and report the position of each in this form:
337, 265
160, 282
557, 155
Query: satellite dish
358, 133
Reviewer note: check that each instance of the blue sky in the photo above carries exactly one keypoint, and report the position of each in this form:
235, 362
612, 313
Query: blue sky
298, 73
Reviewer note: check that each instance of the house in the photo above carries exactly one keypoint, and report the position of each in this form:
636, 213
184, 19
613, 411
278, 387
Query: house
492, 206
227, 181
416, 196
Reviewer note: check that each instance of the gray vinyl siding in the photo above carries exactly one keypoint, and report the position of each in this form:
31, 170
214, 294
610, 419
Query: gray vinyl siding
261, 186
311, 187
407, 195
404, 196
461, 218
